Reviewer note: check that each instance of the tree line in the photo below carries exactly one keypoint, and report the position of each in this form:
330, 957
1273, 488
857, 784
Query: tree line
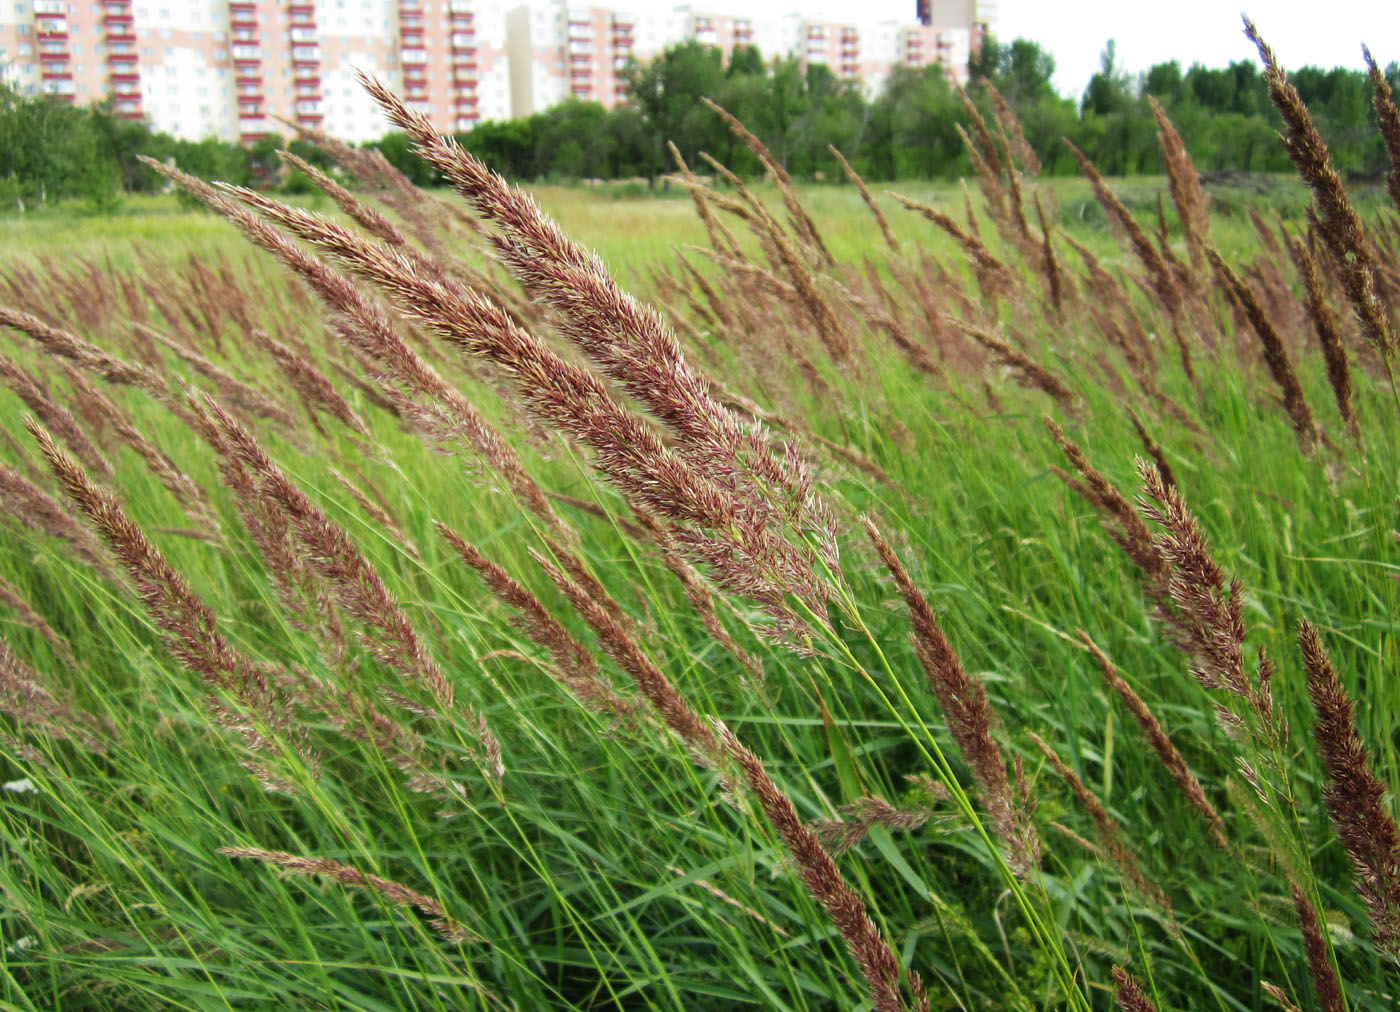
50, 149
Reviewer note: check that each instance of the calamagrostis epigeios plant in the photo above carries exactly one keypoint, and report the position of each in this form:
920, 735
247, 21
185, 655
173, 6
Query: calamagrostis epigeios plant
53, 415
1209, 617
1276, 356
30, 505
866, 196
1131, 997
265, 713
230, 389
378, 511
802, 223
1125, 526
1320, 969
1110, 834
1355, 796
739, 536
117, 422
1279, 995
1324, 322
25, 700
413, 387
1160, 278
573, 665
358, 588
317, 392
1167, 753
861, 815
394, 892
61, 344
1389, 117
968, 714
1341, 229
1028, 372
995, 276
1011, 124
1185, 184
628, 340
694, 733
823, 879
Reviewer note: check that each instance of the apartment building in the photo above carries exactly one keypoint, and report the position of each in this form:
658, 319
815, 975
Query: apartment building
977, 16
233, 68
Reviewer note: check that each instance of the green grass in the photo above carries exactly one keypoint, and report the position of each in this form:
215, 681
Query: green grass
582, 882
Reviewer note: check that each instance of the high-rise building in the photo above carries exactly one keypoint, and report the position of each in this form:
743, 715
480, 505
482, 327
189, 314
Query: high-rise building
234, 68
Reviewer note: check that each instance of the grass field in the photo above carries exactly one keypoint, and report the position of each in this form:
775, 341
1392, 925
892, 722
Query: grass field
272, 738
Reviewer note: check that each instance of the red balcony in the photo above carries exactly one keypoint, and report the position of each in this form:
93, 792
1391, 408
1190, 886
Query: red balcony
124, 37
56, 75
308, 78
121, 76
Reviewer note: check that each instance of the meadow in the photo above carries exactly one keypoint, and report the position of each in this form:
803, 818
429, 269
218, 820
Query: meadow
978, 598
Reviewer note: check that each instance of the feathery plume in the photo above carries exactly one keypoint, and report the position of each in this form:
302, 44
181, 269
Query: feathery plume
860, 816
1324, 323
393, 892
673, 709
1185, 185
188, 623
52, 415
1355, 796
823, 879
866, 196
967, 712
1389, 116
1276, 356
741, 539
30, 505
1324, 976
1341, 229
1110, 835
367, 330
805, 227
573, 664
1131, 997
1167, 753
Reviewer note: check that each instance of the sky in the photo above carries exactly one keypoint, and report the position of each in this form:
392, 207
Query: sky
1190, 31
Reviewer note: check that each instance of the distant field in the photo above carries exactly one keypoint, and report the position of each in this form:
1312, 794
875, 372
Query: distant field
631, 230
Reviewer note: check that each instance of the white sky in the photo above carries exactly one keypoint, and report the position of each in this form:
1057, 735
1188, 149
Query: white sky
1326, 34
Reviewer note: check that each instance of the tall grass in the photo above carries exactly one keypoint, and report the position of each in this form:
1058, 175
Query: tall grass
979, 607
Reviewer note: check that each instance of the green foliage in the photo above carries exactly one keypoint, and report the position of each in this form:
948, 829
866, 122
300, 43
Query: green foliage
50, 149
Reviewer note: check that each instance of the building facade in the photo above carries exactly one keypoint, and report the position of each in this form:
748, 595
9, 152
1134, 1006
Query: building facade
235, 69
